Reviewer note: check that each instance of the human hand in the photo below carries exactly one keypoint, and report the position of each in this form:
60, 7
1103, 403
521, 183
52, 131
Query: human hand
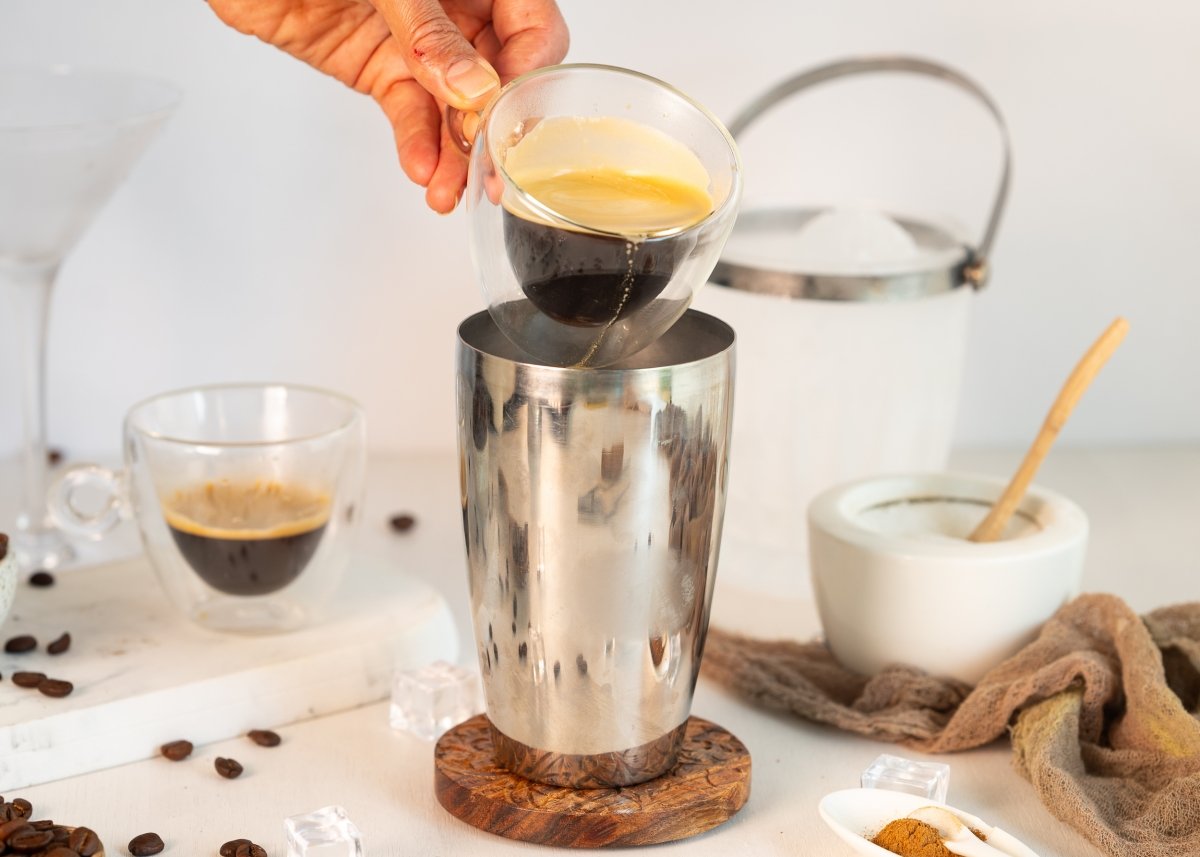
413, 57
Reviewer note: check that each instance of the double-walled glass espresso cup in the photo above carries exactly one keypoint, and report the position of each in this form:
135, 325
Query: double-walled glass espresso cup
245, 495
599, 201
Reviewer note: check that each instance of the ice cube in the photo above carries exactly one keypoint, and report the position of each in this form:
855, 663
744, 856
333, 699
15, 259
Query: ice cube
326, 832
429, 700
850, 241
925, 779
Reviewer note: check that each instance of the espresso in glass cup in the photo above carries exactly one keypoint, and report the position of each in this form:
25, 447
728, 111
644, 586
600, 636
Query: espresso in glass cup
246, 497
638, 216
599, 200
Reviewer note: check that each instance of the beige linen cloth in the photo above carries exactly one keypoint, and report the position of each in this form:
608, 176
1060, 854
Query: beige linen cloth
1103, 709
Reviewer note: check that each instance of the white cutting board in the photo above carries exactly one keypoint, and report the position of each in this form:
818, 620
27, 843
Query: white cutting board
145, 675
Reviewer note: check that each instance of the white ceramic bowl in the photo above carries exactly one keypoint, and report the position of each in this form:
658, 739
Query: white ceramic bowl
896, 581
8, 582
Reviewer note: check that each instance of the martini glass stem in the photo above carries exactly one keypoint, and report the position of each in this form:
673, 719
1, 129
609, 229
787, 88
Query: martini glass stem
28, 287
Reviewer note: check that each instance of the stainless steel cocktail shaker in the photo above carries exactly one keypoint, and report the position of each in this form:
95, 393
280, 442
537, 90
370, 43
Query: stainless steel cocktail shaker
592, 507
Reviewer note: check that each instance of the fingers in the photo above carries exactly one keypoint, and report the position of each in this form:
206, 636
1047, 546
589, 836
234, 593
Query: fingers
532, 34
427, 154
447, 68
417, 122
438, 54
449, 179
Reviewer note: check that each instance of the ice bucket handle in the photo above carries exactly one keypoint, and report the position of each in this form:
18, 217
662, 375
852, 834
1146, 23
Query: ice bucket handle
976, 269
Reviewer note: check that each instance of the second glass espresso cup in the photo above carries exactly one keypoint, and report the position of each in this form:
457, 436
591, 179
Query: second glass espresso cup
245, 496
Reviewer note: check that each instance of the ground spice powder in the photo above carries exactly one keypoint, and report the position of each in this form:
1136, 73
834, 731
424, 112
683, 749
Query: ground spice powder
909, 837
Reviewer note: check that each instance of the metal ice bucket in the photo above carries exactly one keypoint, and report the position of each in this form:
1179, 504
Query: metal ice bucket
844, 374
592, 508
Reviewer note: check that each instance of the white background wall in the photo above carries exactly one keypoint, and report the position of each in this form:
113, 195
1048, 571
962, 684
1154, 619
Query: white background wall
270, 234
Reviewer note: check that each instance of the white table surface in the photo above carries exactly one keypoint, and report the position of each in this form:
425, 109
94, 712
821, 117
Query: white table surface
1144, 506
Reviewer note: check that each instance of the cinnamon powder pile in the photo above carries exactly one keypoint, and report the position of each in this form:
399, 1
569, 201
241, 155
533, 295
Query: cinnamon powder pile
909, 837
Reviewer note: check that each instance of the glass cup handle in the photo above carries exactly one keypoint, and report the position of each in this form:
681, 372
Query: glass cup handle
62, 500
462, 126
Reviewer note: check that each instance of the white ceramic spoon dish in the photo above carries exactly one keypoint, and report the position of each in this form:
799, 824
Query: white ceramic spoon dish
856, 815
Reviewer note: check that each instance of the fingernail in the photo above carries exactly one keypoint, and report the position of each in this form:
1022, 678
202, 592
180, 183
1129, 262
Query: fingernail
471, 79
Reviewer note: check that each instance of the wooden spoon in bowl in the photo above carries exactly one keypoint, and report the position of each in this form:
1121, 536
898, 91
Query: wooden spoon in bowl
1080, 378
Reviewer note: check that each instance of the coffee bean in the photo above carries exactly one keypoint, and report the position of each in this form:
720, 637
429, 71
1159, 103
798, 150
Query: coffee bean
264, 737
55, 687
20, 645
43, 824
9, 828
60, 645
59, 851
41, 579
54, 456
21, 807
250, 850
402, 523
228, 768
145, 844
176, 750
29, 840
84, 841
24, 679
3, 545
229, 849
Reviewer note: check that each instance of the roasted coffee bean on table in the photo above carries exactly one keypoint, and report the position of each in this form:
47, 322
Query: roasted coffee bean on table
60, 645
9, 828
264, 737
28, 679
402, 523
55, 687
29, 840
84, 842
41, 579
58, 851
20, 644
228, 768
176, 751
145, 844
21, 807
242, 848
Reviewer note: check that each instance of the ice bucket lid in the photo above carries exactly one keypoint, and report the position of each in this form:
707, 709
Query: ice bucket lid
756, 258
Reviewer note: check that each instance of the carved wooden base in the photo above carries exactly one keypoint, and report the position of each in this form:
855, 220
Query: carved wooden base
707, 786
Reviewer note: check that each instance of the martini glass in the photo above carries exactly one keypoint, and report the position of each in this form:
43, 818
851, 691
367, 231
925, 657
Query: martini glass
67, 140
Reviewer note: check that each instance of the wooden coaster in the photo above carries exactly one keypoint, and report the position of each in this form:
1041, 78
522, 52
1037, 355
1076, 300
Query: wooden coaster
707, 786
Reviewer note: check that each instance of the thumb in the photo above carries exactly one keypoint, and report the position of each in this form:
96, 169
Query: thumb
438, 54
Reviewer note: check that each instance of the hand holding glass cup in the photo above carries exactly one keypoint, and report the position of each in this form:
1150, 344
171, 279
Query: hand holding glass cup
599, 201
245, 495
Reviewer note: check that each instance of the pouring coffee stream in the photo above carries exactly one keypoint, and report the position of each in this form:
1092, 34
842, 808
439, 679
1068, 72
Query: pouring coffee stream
1072, 390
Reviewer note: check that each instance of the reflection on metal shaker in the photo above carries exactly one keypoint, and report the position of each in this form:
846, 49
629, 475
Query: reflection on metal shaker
592, 508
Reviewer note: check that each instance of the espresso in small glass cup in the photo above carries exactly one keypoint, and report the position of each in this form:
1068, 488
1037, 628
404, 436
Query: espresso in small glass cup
246, 497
